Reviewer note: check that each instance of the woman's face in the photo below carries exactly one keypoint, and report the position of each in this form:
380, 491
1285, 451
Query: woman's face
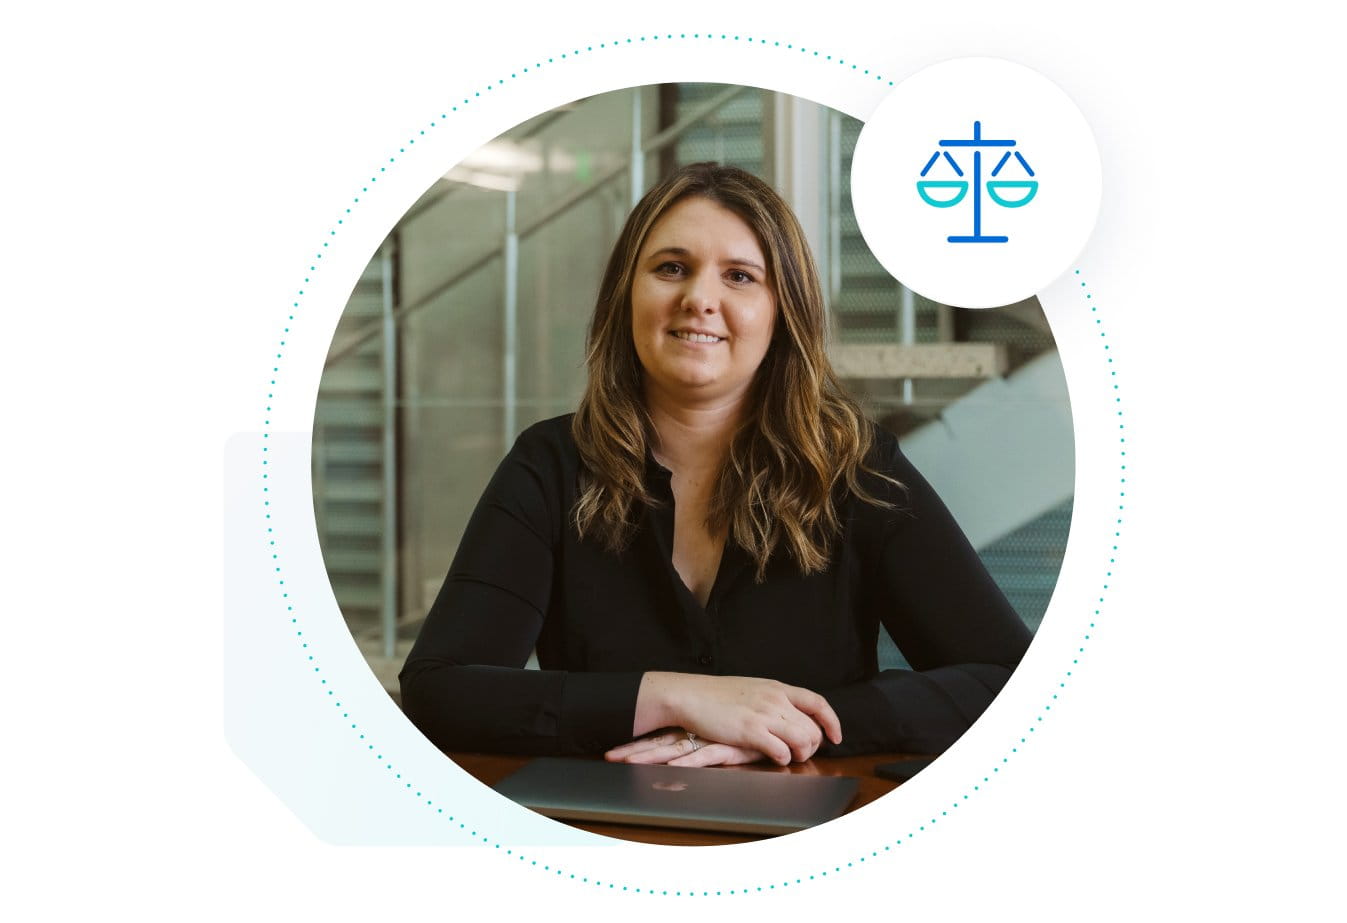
702, 308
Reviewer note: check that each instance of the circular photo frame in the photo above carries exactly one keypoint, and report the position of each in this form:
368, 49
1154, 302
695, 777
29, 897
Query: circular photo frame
302, 702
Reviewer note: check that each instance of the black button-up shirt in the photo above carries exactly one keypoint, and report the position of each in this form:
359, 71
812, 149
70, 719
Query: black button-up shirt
522, 579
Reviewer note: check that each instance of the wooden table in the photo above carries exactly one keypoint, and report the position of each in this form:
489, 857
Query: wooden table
491, 768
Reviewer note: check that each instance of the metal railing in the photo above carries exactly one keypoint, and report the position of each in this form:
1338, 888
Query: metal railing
639, 151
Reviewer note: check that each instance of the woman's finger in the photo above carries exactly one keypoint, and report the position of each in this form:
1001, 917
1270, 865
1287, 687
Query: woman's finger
817, 708
718, 755
619, 753
772, 746
799, 732
651, 742
661, 754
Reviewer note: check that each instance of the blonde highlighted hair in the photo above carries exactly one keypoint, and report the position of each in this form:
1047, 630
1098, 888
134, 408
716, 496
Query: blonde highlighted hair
804, 437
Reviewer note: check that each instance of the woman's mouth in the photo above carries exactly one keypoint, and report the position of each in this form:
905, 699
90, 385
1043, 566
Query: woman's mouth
691, 337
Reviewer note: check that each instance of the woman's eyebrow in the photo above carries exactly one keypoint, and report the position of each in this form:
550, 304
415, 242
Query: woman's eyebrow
740, 261
684, 253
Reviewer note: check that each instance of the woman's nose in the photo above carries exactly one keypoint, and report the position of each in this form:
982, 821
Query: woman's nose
700, 295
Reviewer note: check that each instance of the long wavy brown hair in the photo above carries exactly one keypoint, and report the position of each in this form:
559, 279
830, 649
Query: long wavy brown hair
803, 437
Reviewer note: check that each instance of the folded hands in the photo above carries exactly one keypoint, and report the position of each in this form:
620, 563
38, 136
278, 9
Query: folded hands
700, 720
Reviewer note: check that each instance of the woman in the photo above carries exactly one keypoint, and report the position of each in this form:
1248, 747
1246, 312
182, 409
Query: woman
703, 553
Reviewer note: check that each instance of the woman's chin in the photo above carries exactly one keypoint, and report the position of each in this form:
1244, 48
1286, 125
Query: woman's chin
694, 383
687, 375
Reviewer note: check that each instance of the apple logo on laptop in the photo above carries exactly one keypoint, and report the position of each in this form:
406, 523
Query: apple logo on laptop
669, 786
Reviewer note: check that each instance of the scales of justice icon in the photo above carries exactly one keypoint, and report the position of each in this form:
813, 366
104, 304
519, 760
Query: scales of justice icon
1004, 192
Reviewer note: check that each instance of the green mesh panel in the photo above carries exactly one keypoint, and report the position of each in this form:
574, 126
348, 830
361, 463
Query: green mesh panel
1024, 564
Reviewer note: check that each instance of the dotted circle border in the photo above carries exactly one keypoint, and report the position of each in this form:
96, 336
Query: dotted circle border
485, 840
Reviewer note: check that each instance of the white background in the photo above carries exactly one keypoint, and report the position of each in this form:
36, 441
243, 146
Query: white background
169, 172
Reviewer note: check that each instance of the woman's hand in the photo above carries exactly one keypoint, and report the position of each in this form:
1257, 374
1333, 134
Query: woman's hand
781, 722
678, 748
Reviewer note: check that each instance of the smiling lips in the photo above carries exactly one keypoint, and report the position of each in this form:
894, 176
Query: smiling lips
693, 337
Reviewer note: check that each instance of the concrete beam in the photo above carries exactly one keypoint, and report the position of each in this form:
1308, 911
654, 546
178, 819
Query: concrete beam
920, 360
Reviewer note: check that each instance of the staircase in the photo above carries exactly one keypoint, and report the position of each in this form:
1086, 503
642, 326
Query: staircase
348, 472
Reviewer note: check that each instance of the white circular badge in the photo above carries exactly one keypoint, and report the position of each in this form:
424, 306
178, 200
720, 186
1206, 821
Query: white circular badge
976, 182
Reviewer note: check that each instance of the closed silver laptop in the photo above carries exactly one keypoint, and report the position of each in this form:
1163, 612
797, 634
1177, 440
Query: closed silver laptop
738, 801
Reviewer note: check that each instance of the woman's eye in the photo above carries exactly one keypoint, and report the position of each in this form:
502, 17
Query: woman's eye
739, 276
669, 269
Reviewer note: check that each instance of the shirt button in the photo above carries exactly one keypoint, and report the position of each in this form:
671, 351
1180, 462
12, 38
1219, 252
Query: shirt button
704, 660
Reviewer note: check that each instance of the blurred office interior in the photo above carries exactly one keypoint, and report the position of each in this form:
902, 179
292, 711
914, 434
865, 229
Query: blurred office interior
468, 325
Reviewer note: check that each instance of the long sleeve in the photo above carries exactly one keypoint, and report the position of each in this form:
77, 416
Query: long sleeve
523, 579
464, 685
948, 617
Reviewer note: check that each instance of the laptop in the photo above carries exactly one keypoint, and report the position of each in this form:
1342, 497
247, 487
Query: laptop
729, 800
